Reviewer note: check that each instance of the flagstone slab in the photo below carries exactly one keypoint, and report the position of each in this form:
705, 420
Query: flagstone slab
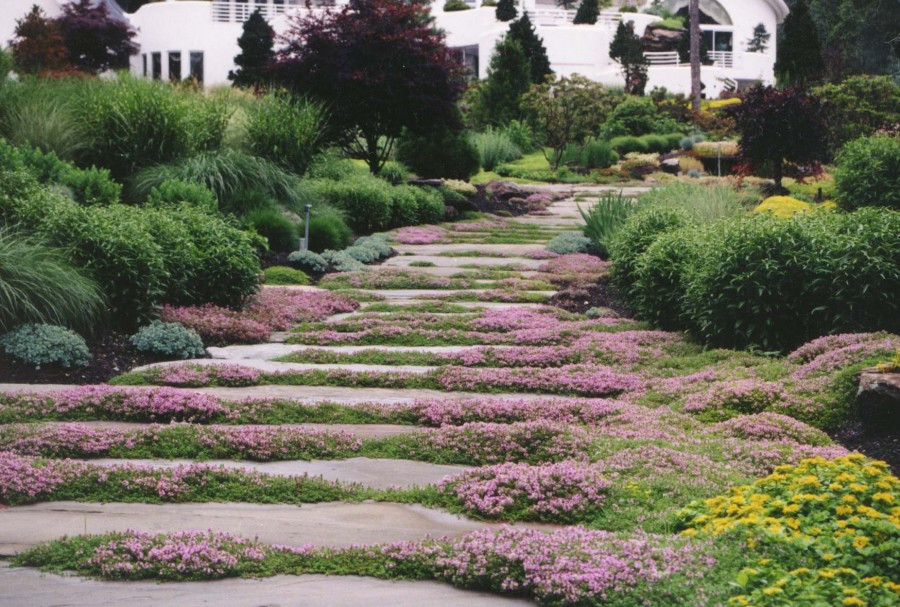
361, 431
487, 305
329, 524
274, 350
375, 473
23, 587
270, 366
403, 261
421, 294
435, 249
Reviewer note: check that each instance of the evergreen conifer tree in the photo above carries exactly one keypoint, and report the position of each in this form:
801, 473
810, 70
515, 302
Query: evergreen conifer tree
799, 52
627, 50
509, 77
257, 43
588, 11
523, 32
760, 40
506, 10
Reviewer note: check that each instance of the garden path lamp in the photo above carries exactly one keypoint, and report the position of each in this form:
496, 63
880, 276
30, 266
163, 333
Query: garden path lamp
304, 242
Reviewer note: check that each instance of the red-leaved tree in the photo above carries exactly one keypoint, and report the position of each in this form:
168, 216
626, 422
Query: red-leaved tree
379, 66
782, 132
95, 41
38, 44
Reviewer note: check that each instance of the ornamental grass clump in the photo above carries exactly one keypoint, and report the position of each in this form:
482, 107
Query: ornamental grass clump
604, 218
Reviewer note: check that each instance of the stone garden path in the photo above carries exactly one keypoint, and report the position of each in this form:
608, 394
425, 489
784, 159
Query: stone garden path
324, 524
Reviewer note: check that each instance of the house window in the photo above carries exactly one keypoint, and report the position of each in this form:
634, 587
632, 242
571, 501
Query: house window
156, 59
144, 62
197, 66
715, 40
174, 66
468, 57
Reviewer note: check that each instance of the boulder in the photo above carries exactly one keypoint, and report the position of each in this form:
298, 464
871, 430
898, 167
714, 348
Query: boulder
661, 39
878, 399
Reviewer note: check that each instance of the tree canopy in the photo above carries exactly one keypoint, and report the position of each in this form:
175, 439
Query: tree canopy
257, 44
95, 42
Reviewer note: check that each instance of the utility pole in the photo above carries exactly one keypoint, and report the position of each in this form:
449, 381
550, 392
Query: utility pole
695, 57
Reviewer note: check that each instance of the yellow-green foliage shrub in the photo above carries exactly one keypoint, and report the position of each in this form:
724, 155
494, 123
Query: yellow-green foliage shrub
783, 207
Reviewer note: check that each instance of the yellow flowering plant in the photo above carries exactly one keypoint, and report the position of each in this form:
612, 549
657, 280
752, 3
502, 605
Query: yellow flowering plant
842, 516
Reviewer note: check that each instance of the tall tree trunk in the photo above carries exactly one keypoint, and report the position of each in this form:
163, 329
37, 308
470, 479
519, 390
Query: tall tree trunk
695, 57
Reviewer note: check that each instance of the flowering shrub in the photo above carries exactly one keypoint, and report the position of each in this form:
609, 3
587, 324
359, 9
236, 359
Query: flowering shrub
560, 492
841, 515
176, 556
273, 309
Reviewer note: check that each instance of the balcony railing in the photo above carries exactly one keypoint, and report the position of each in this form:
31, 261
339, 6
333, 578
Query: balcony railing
718, 58
558, 16
237, 11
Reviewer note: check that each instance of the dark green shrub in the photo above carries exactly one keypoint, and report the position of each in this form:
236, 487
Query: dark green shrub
858, 106
656, 143
637, 116
329, 165
328, 232
593, 154
281, 233
40, 284
40, 345
404, 206
286, 132
455, 5
366, 200
430, 203
173, 191
451, 198
168, 339
137, 123
777, 283
673, 141
661, 277
283, 275
448, 155
635, 236
394, 173
627, 144
87, 186
868, 173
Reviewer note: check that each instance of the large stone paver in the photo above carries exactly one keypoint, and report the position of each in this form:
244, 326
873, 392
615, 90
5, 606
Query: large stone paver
275, 350
361, 431
403, 261
456, 272
271, 366
475, 305
393, 294
30, 588
330, 524
515, 250
307, 394
375, 473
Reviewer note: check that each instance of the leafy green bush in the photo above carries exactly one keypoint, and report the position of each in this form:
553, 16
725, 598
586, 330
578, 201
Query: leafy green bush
656, 143
868, 173
230, 174
283, 275
605, 218
309, 261
494, 147
777, 283
136, 123
627, 144
637, 116
168, 339
140, 257
394, 173
638, 232
703, 203
569, 242
593, 154
286, 132
174, 191
327, 232
520, 134
662, 274
448, 155
39, 284
330, 165
280, 232
86, 186
38, 345
859, 105
404, 206
366, 200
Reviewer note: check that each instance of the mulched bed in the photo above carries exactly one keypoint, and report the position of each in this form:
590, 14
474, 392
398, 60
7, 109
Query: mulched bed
581, 297
113, 354
877, 444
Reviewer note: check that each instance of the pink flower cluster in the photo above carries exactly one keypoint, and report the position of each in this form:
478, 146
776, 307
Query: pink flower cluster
743, 395
556, 491
26, 477
187, 375
420, 235
440, 412
771, 427
827, 354
482, 225
541, 254
576, 263
392, 278
583, 380
273, 309
179, 555
108, 402
569, 566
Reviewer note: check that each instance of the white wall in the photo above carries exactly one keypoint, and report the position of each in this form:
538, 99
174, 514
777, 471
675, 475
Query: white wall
185, 26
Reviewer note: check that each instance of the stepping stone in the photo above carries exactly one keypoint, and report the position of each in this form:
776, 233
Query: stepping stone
403, 261
447, 271
361, 431
269, 366
487, 305
375, 473
31, 588
270, 351
329, 524
393, 294
434, 249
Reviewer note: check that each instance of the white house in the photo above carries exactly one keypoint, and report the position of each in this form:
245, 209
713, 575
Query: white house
182, 38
